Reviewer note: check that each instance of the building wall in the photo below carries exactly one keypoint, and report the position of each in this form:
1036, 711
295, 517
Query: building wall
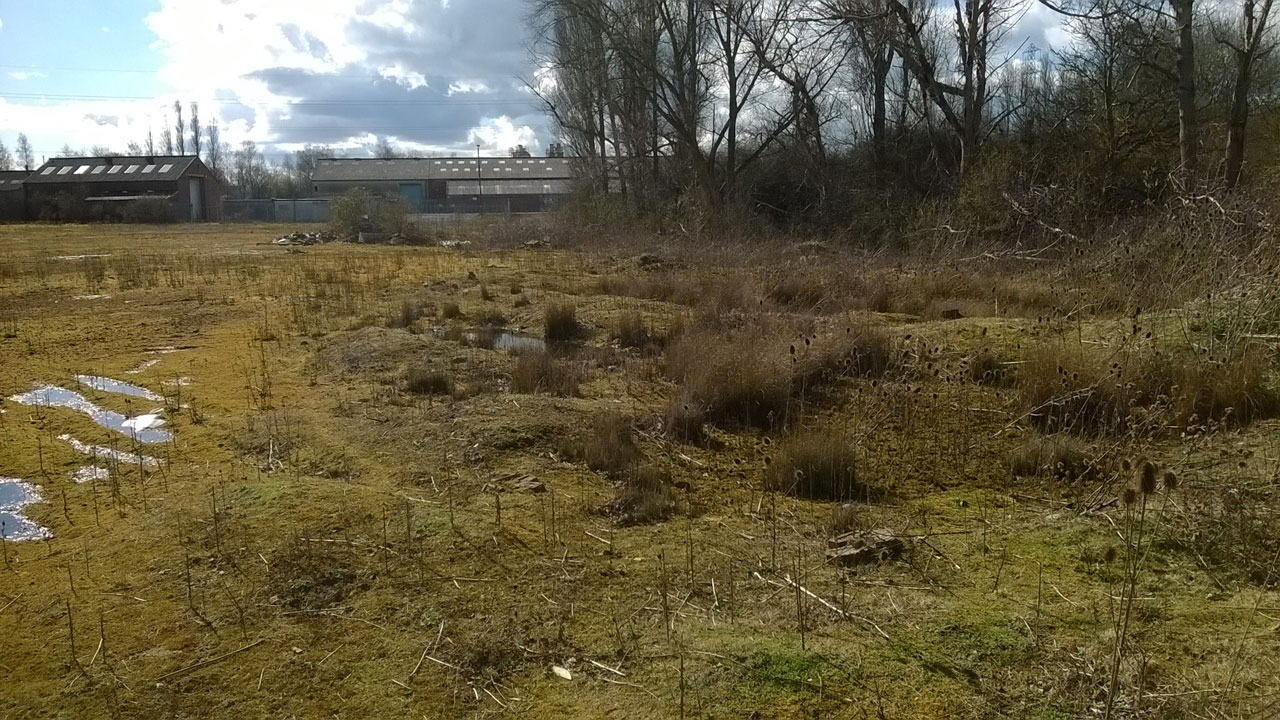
67, 201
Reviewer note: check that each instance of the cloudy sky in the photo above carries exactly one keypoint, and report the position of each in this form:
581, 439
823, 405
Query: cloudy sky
431, 75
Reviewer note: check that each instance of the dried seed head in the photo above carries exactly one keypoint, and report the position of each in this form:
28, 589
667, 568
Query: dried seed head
1109, 556
1149, 474
1170, 480
1126, 465
1130, 496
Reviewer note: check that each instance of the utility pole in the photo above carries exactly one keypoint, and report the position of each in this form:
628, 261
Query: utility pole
479, 182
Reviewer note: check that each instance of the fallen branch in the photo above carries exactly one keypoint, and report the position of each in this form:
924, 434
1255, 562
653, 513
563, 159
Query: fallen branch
210, 661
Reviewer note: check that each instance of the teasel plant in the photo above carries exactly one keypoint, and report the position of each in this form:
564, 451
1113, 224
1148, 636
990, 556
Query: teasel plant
1137, 534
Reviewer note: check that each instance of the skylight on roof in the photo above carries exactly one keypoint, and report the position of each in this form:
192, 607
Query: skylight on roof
65, 170
82, 169
166, 167
46, 171
147, 169
132, 169
115, 169
98, 170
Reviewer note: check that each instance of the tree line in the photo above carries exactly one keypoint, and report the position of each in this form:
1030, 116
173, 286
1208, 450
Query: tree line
809, 110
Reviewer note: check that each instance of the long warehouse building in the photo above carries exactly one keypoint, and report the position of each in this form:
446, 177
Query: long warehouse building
453, 185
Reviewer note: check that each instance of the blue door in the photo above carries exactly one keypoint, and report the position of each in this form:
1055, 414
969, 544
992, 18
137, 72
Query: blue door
414, 196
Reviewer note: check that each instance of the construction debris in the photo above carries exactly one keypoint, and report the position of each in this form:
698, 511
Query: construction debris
865, 547
306, 238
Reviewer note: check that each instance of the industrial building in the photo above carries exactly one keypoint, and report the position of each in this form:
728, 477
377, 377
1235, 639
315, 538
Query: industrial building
12, 196
453, 185
143, 189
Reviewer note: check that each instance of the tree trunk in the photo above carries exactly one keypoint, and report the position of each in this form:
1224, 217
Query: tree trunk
1236, 121
879, 139
1188, 123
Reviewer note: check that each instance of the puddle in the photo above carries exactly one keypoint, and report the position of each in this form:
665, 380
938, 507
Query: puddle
103, 384
90, 473
143, 428
14, 495
98, 452
496, 338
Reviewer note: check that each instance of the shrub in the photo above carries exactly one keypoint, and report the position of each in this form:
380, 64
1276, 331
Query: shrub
609, 447
358, 210
632, 331
451, 311
816, 465
644, 496
540, 372
1059, 456
561, 323
425, 381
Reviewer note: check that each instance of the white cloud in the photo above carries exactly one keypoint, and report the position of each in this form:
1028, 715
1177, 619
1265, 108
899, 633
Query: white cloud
467, 86
498, 135
23, 75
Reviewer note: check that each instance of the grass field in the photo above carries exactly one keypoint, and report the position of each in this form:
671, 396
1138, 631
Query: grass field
372, 506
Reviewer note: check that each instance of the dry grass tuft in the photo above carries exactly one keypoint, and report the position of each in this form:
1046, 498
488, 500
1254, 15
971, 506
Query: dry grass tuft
644, 497
733, 379
609, 447
425, 381
817, 465
1079, 389
491, 318
541, 372
985, 368
451, 311
632, 331
560, 323
1059, 456
408, 314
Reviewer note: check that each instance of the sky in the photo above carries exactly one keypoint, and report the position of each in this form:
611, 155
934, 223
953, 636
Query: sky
433, 76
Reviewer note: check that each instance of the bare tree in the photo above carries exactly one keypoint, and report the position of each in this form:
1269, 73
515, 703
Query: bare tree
195, 129
151, 143
166, 138
1248, 48
6, 158
214, 156
384, 150
180, 129
26, 156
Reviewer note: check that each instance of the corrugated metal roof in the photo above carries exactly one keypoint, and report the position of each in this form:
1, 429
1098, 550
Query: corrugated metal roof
366, 169
113, 169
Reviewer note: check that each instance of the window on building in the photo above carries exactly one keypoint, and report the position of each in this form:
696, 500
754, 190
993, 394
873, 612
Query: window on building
82, 169
46, 171
115, 169
132, 169
99, 170
166, 168
65, 170
147, 169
